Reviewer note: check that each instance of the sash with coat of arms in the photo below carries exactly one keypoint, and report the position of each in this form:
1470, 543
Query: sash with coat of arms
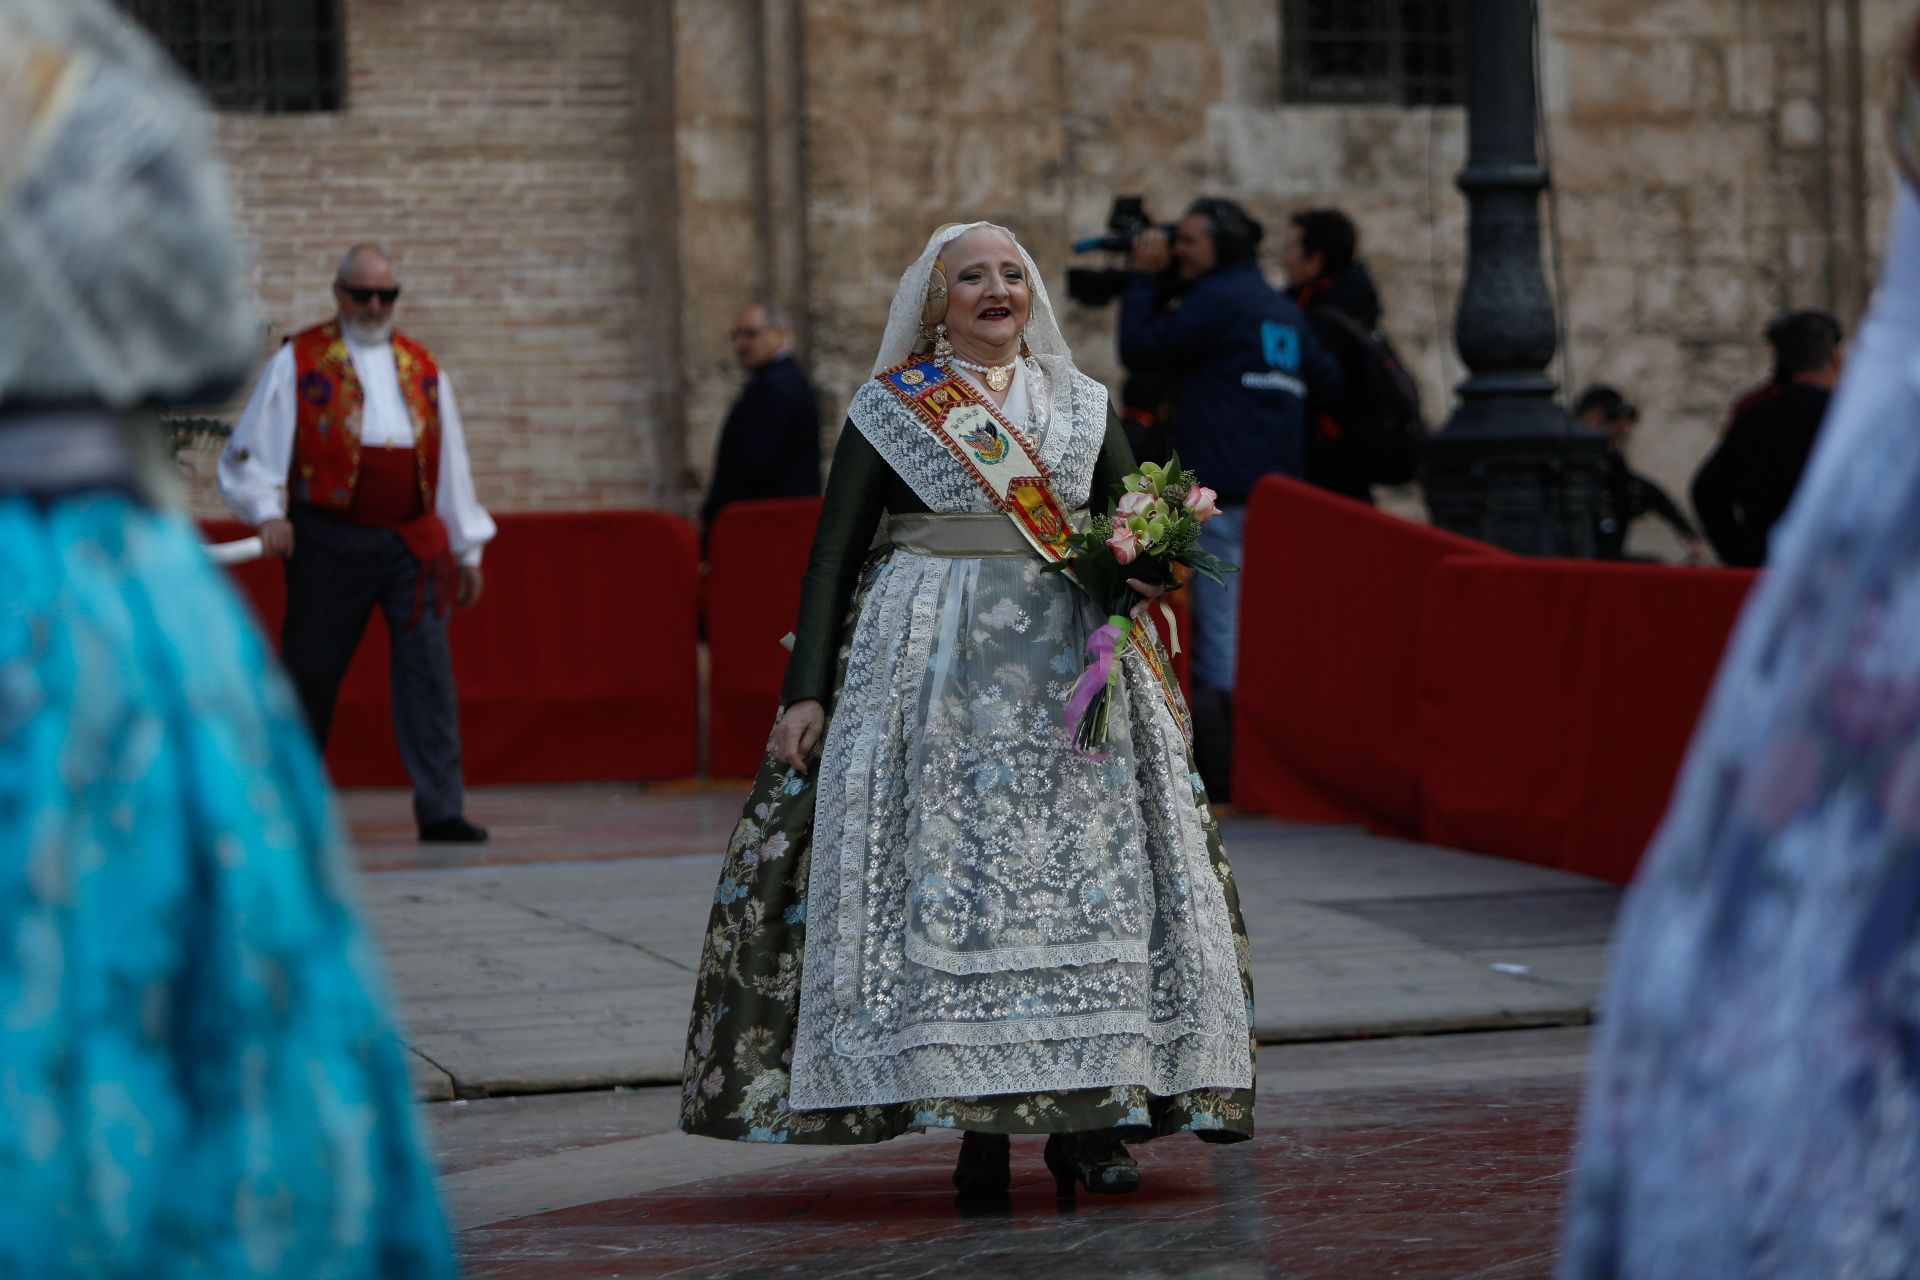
1000, 459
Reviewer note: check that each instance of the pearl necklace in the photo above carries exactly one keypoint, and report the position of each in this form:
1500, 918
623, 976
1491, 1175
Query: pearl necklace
998, 376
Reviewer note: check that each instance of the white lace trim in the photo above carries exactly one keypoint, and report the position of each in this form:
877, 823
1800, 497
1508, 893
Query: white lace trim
1132, 951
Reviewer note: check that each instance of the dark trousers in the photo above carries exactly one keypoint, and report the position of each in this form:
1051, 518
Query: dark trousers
337, 573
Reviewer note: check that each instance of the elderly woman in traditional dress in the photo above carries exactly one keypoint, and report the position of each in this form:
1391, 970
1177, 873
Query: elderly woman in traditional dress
952, 918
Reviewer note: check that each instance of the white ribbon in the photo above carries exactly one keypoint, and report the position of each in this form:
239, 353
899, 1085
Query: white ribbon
235, 552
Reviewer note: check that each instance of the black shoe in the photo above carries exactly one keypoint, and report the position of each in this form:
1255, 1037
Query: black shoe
454, 830
1096, 1160
984, 1167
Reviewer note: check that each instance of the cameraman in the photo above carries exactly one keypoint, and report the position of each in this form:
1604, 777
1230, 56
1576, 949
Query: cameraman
1242, 365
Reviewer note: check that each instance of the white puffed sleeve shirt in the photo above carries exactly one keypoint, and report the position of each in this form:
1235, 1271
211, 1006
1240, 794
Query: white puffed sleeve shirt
254, 466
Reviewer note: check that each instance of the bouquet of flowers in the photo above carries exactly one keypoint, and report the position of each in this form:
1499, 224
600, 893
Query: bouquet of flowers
1151, 526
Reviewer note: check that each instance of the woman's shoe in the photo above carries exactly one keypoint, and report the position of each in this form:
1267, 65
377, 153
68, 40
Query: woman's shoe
1096, 1160
983, 1167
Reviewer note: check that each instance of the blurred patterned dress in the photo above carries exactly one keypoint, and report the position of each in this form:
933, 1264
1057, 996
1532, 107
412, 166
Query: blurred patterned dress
198, 1076
1754, 1108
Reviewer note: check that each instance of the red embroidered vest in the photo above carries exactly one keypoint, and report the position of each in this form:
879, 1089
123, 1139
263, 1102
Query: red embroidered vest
326, 425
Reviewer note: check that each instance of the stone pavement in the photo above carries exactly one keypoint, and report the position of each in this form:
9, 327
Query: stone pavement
1429, 1156
545, 979
562, 955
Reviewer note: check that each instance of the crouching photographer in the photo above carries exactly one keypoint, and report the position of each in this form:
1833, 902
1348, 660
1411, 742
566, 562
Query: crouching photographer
1241, 366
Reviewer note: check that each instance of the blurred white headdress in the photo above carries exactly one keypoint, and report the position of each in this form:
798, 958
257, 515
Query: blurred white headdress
120, 276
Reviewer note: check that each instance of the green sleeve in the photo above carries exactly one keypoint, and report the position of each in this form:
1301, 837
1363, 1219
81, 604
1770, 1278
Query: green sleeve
855, 498
1114, 464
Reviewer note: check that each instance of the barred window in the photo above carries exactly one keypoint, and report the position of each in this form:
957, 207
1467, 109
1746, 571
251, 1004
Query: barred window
268, 56
1408, 52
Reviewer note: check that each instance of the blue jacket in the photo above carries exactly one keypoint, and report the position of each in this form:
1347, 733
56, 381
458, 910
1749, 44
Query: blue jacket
1243, 363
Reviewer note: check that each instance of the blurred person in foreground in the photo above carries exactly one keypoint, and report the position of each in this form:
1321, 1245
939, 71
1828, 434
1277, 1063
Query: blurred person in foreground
351, 459
1242, 363
949, 917
1745, 484
769, 446
1625, 494
198, 1077
1754, 1105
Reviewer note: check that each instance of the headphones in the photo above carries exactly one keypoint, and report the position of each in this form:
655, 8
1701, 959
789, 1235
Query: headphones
1235, 234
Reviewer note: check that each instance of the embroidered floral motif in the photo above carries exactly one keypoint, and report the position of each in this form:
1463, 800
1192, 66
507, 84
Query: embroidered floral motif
741, 1038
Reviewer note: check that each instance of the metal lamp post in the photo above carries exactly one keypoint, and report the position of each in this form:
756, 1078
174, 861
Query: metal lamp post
1510, 467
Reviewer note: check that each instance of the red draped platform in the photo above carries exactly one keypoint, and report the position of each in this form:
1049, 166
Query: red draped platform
1557, 701
1326, 705
578, 664
1432, 687
756, 558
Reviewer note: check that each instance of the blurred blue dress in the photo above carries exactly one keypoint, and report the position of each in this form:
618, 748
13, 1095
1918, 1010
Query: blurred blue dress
197, 1074
198, 1077
1754, 1107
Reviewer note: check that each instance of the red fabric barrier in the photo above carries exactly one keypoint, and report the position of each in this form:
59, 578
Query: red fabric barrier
1557, 701
756, 559
1326, 722
578, 664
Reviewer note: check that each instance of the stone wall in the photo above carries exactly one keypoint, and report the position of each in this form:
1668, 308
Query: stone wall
583, 191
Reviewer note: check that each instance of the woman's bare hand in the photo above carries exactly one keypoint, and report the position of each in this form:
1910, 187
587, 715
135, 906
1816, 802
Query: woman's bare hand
1148, 593
798, 733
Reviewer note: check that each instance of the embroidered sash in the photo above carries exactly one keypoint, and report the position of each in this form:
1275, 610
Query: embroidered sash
997, 455
989, 448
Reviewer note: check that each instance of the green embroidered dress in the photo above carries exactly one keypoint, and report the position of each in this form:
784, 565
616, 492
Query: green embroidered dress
954, 920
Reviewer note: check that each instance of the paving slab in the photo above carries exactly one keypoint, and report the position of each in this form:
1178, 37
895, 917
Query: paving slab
1420, 1156
535, 963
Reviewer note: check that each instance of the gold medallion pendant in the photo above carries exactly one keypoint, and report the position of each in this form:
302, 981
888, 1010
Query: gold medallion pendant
998, 376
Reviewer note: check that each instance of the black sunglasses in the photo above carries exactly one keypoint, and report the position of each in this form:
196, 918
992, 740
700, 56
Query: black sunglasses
363, 295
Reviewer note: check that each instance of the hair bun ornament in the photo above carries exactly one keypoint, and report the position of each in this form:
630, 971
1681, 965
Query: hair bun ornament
934, 309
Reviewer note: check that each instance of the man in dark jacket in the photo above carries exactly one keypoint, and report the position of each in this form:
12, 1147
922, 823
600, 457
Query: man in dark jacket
1333, 287
770, 445
1243, 364
1744, 486
1626, 495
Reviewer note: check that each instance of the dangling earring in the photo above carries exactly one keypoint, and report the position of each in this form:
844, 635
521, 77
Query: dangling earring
924, 345
1026, 352
942, 349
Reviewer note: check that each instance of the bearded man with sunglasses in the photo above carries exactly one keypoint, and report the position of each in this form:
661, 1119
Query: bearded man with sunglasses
351, 461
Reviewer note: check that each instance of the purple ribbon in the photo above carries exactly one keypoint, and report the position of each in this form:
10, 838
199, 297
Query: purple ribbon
1103, 646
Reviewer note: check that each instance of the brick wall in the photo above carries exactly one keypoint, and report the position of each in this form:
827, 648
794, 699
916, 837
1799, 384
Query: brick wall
582, 192
496, 150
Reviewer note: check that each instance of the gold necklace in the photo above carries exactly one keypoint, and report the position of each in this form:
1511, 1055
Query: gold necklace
998, 376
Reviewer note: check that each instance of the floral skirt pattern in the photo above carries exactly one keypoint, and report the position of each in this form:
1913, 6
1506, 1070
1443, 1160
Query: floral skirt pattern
198, 1074
746, 1007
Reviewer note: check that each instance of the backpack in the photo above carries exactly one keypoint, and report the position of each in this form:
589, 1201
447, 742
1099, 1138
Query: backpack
1379, 417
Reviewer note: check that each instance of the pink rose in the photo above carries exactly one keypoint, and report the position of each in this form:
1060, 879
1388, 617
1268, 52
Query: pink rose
1134, 504
1124, 545
1203, 502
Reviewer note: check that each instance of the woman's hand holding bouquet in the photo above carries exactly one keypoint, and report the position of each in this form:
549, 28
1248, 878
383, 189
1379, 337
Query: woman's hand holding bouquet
1153, 525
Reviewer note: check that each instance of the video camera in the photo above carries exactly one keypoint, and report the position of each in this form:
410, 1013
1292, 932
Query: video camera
1097, 286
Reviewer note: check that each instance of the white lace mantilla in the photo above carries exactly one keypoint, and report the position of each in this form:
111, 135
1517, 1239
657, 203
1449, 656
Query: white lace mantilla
991, 913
